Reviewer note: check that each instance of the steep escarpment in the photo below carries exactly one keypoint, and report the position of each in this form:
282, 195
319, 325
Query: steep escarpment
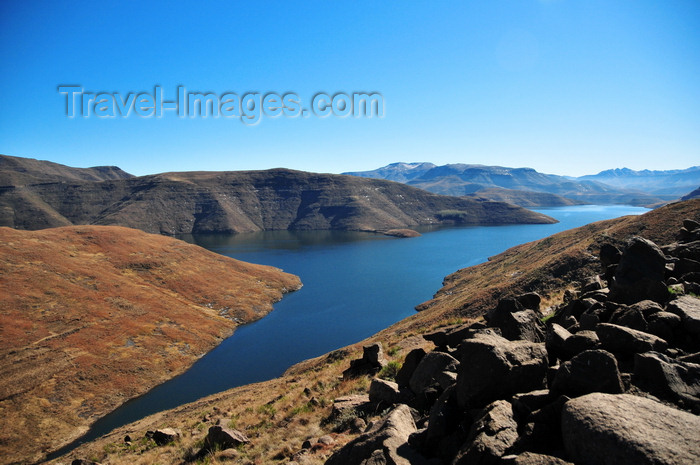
18, 171
245, 201
92, 316
352, 401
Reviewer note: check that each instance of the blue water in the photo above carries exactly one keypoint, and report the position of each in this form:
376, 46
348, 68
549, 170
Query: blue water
355, 284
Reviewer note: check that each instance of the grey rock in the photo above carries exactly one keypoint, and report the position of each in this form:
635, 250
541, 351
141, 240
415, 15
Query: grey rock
516, 323
492, 368
166, 435
663, 325
606, 429
609, 255
491, 436
625, 340
629, 317
647, 307
428, 369
640, 273
555, 339
444, 418
688, 308
668, 379
589, 371
409, 366
224, 438
690, 224
530, 300
527, 402
530, 458
592, 283
345, 403
383, 392
371, 362
581, 341
384, 444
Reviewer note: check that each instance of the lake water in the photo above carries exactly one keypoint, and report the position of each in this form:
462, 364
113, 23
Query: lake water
355, 284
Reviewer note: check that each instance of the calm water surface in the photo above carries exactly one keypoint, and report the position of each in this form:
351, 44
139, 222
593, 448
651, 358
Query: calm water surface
355, 284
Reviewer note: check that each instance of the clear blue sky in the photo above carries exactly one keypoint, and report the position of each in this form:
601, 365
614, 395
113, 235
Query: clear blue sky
566, 87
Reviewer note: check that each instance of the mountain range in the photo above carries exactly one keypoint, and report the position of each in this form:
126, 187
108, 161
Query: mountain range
622, 186
36, 195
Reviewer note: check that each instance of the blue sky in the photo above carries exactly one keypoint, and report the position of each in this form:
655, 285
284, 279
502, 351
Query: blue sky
566, 87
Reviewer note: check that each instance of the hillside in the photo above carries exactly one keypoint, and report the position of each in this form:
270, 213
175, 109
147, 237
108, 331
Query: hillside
280, 415
92, 316
16, 171
245, 201
465, 179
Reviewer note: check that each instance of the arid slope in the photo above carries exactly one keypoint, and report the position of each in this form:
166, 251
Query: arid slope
280, 414
233, 202
91, 316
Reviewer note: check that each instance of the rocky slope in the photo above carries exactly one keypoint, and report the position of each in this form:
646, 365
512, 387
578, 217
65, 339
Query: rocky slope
245, 201
588, 388
92, 316
466, 179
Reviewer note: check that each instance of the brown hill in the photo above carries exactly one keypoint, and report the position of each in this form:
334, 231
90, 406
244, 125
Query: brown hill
19, 171
91, 316
279, 415
244, 201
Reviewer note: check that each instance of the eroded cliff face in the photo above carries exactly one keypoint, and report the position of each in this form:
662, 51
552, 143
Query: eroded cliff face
245, 201
92, 316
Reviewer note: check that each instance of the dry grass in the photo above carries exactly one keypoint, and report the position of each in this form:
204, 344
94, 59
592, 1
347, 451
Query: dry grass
92, 316
276, 415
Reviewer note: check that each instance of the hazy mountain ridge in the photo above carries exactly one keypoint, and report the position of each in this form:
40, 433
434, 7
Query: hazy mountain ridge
466, 179
674, 183
244, 201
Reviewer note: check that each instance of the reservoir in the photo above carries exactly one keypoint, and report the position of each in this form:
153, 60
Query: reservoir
355, 284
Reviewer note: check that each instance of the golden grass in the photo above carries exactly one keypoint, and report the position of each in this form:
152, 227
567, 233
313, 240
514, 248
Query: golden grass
92, 316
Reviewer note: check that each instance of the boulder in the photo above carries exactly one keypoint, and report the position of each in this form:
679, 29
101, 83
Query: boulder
371, 362
640, 273
663, 325
428, 369
165, 436
668, 379
606, 429
592, 283
452, 336
492, 367
384, 444
530, 300
527, 402
629, 317
530, 458
629, 341
690, 224
224, 438
688, 308
491, 436
589, 371
384, 392
647, 307
581, 341
444, 418
409, 366
609, 255
346, 403
555, 339
516, 323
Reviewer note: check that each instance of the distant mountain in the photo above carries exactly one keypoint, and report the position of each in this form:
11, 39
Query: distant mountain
17, 171
399, 172
464, 179
669, 185
244, 201
692, 195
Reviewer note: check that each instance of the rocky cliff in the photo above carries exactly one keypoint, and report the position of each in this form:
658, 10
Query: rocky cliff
591, 368
92, 316
206, 202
